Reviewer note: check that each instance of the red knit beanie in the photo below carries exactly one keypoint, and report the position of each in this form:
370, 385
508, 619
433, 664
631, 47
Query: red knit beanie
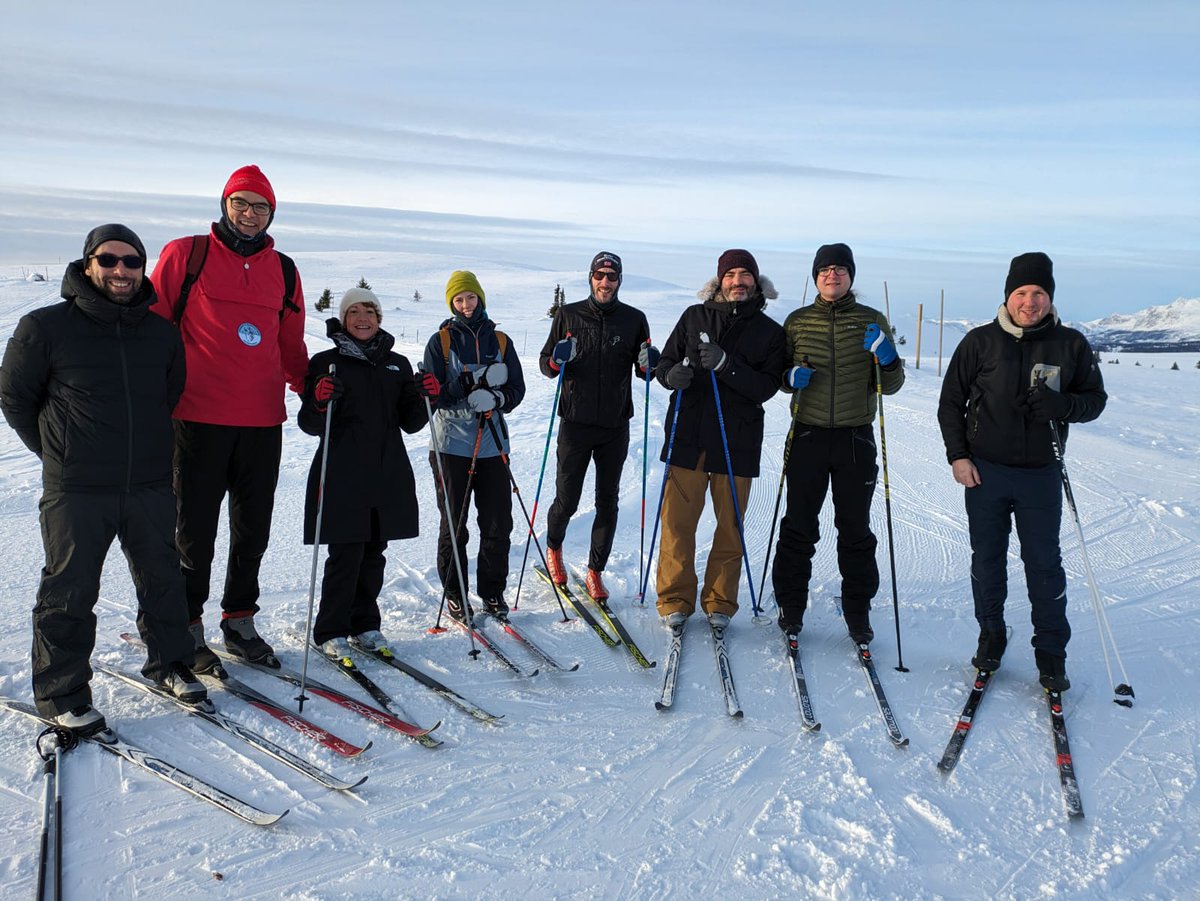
249, 178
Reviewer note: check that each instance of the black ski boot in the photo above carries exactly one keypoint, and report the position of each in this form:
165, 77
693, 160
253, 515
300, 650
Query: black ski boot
206, 661
457, 610
859, 626
990, 650
496, 607
242, 640
1052, 671
791, 621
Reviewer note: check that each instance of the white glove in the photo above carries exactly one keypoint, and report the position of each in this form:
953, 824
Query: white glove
484, 400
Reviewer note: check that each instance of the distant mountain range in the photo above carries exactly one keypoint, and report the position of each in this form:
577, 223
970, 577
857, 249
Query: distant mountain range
1174, 327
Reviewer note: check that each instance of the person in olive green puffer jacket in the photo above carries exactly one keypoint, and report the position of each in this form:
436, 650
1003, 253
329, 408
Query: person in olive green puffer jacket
831, 351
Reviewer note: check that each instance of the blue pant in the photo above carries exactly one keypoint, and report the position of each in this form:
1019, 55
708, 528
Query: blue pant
1033, 497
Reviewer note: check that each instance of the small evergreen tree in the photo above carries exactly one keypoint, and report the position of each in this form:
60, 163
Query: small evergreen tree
901, 340
325, 301
1175, 366
560, 297
416, 296
362, 283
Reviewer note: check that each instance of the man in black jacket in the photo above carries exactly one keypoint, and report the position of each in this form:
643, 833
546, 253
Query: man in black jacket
88, 385
1006, 382
728, 334
599, 341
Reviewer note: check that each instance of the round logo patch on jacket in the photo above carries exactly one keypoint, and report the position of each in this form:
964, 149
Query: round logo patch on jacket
249, 334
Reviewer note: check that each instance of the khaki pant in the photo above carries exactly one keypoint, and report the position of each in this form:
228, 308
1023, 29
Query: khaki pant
683, 502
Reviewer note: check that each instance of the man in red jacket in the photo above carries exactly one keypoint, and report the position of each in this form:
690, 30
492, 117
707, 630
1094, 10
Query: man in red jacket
243, 333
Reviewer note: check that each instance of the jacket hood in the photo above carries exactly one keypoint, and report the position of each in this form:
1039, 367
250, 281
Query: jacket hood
766, 291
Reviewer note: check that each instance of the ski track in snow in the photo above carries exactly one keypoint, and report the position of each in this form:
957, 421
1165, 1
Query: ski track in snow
584, 789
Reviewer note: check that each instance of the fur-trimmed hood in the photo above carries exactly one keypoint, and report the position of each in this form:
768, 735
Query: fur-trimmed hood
766, 290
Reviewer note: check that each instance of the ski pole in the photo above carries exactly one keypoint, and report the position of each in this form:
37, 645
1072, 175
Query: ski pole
453, 527
312, 580
1123, 691
645, 463
541, 474
50, 745
787, 452
887, 504
737, 510
517, 491
662, 492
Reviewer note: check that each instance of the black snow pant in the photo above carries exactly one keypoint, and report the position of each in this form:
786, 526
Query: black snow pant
843, 458
210, 462
578, 445
1033, 497
77, 531
493, 508
350, 588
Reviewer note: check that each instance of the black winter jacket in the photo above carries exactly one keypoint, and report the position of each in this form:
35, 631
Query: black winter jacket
597, 384
89, 386
991, 372
368, 468
754, 345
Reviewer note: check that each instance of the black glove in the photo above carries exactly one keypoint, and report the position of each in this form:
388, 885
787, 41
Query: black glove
711, 356
680, 376
1043, 404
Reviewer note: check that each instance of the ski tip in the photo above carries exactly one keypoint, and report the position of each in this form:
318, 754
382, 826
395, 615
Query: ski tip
902, 743
659, 705
737, 714
815, 727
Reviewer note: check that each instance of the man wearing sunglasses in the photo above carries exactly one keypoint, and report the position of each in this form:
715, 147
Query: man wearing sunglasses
600, 341
243, 329
88, 385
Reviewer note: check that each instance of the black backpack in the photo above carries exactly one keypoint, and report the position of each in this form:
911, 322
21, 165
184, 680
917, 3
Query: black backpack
195, 263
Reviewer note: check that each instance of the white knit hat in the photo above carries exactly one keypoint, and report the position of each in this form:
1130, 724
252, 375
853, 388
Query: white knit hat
359, 295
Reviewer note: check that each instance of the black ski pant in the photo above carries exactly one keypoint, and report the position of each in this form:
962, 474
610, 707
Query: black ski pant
493, 508
578, 445
210, 462
77, 531
1032, 497
844, 459
350, 588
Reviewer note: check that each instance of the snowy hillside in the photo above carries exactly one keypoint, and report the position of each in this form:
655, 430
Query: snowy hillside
1175, 326
585, 790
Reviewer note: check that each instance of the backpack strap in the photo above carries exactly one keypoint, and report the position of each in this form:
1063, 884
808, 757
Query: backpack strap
195, 263
288, 265
444, 334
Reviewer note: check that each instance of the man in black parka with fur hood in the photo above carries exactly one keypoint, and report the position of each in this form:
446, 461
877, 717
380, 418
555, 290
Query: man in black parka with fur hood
89, 385
746, 351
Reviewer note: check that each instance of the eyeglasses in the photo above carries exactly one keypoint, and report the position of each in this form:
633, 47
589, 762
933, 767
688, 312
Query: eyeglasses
606, 276
110, 260
241, 205
826, 271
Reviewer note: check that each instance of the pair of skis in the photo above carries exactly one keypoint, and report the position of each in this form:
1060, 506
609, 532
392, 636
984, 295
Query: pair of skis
481, 638
1058, 727
111, 742
620, 635
717, 627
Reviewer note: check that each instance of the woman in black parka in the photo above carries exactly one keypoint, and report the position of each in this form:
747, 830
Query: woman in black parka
370, 494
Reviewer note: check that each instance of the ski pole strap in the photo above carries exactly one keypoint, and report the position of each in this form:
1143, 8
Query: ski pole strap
55, 738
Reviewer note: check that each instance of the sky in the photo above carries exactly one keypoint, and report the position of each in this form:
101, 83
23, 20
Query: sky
938, 140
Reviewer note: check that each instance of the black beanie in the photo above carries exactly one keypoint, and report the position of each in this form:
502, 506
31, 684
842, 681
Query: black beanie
112, 232
737, 259
833, 255
1030, 269
605, 260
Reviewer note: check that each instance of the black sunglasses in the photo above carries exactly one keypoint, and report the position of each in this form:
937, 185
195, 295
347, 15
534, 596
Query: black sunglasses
606, 276
110, 260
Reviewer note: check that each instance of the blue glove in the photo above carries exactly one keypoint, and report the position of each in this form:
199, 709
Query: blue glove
564, 352
879, 344
797, 378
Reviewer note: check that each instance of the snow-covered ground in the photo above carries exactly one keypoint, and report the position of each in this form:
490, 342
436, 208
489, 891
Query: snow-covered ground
586, 790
